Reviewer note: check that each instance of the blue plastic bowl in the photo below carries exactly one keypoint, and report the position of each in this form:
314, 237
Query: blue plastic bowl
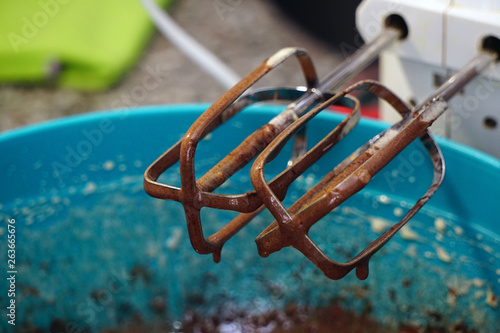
93, 251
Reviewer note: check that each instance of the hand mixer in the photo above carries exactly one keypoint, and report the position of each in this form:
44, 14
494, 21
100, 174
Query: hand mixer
292, 225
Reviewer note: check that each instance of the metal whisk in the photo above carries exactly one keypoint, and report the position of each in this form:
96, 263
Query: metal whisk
292, 225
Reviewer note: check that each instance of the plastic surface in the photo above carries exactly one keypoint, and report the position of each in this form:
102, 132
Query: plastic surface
84, 45
85, 227
481, 4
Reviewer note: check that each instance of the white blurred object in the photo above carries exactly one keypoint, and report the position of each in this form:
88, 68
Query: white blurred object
443, 36
200, 55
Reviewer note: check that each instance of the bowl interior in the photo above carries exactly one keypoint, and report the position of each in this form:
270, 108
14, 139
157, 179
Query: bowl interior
94, 251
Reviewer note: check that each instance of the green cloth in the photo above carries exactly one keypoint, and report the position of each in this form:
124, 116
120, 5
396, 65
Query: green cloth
92, 42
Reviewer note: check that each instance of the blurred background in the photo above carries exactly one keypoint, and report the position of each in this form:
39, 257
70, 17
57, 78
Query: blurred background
134, 65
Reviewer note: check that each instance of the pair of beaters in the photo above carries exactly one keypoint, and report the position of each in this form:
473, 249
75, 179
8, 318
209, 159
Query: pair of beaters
292, 224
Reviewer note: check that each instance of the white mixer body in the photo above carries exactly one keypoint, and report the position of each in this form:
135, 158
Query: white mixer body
443, 36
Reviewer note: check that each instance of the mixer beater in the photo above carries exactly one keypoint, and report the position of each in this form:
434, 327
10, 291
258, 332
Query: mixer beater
350, 176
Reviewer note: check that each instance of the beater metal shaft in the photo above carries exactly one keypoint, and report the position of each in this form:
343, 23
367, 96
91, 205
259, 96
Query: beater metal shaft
245, 152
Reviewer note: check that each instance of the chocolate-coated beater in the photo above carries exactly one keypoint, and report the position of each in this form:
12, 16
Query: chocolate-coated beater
292, 225
197, 193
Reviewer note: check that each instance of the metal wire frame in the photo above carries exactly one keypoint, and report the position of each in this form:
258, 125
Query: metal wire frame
292, 225
195, 194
